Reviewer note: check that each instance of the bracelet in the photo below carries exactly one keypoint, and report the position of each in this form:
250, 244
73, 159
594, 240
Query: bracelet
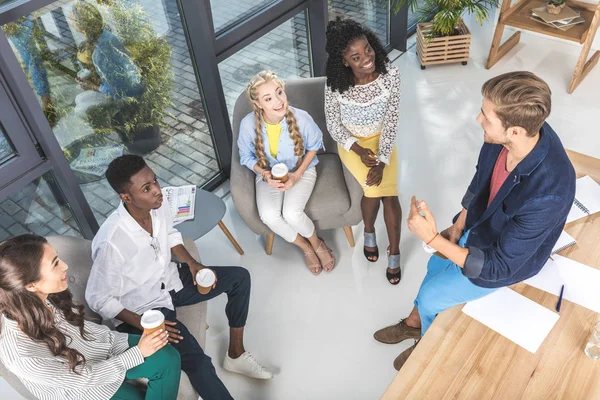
436, 235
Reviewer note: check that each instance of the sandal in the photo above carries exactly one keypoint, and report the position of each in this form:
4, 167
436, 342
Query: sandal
314, 268
328, 265
393, 263
371, 241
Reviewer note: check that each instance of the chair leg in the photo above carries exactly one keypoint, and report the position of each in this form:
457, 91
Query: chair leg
270, 239
231, 238
349, 235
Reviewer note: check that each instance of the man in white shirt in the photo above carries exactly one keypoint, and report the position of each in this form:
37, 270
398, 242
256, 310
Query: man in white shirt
133, 273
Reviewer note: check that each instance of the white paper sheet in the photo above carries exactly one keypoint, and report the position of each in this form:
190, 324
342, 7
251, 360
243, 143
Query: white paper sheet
587, 193
514, 316
565, 240
582, 283
182, 200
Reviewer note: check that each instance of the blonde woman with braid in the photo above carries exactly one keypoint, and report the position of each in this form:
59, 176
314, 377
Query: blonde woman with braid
277, 133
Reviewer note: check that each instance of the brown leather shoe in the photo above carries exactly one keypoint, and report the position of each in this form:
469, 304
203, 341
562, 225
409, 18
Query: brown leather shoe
403, 357
397, 333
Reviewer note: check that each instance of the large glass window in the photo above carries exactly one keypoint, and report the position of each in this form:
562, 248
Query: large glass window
226, 14
115, 77
39, 208
284, 50
374, 14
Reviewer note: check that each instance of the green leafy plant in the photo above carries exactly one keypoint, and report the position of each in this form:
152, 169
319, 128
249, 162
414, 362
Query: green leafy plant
557, 2
446, 13
152, 54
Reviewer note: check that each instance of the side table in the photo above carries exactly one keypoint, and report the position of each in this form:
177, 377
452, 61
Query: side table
209, 211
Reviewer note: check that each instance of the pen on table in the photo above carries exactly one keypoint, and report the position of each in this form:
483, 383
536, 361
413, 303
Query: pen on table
562, 289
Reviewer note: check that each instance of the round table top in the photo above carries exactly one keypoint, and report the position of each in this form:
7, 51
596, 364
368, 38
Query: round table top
209, 209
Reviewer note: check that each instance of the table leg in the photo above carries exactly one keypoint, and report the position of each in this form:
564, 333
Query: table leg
230, 237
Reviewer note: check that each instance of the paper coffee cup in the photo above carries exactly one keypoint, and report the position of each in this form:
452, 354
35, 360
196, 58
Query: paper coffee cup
205, 279
280, 172
428, 249
152, 320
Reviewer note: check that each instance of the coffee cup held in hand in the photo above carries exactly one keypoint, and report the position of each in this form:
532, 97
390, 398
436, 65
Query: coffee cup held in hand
280, 172
205, 279
152, 320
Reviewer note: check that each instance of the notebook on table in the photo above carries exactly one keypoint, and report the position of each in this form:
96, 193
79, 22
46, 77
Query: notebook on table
564, 241
587, 199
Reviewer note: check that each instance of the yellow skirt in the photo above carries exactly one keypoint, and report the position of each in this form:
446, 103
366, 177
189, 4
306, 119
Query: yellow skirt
389, 181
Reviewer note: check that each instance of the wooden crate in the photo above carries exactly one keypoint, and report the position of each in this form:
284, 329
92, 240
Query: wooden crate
443, 50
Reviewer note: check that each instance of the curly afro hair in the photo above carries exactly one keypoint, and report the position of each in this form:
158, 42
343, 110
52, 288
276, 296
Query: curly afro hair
121, 169
340, 33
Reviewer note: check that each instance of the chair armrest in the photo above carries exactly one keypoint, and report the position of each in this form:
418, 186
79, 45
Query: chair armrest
191, 248
356, 193
194, 316
243, 193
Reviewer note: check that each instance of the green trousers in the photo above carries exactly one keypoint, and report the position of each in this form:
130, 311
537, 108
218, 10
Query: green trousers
163, 371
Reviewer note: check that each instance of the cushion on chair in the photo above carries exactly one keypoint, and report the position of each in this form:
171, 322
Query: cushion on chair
330, 195
77, 254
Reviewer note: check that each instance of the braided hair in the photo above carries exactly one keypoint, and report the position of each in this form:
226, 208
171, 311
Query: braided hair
340, 34
259, 146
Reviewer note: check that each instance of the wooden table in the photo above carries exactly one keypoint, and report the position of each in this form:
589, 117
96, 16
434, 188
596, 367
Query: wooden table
460, 358
519, 16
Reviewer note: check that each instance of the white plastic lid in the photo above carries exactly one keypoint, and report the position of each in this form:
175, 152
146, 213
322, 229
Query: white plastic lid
205, 277
152, 319
279, 170
428, 249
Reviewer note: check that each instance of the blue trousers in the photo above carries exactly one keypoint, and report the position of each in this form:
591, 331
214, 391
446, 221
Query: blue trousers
235, 282
444, 287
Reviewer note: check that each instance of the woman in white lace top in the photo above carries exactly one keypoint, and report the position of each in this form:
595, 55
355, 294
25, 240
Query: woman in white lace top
362, 101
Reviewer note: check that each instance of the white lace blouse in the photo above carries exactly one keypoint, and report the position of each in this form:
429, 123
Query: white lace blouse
365, 110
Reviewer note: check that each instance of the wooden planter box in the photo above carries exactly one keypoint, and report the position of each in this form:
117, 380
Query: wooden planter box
443, 50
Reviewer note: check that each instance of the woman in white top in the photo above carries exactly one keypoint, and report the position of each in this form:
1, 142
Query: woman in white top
362, 101
47, 344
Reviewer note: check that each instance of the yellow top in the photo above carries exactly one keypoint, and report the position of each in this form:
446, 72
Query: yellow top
273, 133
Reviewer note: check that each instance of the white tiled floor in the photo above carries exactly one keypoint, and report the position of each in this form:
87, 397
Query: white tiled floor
316, 332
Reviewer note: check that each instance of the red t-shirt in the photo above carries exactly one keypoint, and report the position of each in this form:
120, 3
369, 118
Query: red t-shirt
499, 175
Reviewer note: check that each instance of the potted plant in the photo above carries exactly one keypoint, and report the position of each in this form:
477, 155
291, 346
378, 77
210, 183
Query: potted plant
135, 65
140, 118
445, 38
555, 6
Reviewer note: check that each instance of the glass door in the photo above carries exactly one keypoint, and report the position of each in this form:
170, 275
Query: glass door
17, 151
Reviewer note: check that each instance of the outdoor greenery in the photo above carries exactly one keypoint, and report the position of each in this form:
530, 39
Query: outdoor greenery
446, 13
152, 55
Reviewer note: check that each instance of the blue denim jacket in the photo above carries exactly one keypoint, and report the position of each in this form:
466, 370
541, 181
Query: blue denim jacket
311, 134
120, 77
512, 239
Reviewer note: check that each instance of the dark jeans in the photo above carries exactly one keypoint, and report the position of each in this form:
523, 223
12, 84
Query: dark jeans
235, 281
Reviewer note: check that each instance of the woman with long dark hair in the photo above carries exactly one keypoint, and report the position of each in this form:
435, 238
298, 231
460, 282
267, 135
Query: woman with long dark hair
47, 344
362, 101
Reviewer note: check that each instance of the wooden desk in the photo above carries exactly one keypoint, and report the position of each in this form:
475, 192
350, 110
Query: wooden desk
460, 358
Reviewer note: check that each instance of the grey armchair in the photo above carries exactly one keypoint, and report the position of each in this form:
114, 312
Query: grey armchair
77, 253
335, 201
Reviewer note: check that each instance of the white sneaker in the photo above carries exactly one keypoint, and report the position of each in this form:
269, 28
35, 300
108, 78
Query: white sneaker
247, 365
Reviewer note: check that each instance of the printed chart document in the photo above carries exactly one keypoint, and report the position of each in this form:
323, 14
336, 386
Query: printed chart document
514, 316
181, 202
587, 199
581, 281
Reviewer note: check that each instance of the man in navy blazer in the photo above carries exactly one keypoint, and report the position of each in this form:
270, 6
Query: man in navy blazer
513, 212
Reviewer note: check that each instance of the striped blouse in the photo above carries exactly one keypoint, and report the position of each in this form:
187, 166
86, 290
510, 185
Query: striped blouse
47, 376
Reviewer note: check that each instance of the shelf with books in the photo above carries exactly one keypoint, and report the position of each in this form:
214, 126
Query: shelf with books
520, 16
